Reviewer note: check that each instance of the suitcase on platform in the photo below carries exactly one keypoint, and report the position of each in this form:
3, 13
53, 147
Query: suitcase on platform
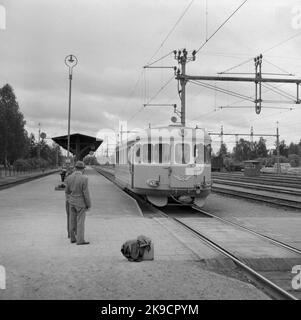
149, 253
140, 249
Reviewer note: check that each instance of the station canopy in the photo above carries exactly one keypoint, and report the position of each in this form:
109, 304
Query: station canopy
80, 144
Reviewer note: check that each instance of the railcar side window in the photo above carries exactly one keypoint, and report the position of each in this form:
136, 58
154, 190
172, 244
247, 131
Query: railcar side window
199, 153
156, 153
117, 155
207, 154
165, 153
129, 153
147, 151
182, 153
161, 153
137, 154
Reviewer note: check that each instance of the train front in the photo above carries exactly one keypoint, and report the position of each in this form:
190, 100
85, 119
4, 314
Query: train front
172, 165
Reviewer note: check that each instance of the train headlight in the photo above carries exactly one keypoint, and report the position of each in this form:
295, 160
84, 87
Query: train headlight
153, 183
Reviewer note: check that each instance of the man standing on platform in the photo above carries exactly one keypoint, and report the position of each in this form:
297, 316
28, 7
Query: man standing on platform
79, 200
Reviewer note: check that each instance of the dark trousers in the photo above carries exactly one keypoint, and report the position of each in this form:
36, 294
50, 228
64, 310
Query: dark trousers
68, 217
77, 224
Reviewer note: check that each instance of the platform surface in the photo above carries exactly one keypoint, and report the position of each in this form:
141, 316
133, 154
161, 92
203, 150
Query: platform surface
41, 263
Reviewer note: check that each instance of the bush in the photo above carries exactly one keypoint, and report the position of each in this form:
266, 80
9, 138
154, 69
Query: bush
21, 164
31, 163
294, 160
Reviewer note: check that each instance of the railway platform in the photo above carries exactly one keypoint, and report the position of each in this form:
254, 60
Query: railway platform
41, 263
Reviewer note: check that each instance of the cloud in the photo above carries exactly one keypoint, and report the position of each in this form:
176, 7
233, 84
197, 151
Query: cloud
114, 39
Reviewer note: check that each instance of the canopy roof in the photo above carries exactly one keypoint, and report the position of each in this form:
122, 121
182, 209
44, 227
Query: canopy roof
80, 144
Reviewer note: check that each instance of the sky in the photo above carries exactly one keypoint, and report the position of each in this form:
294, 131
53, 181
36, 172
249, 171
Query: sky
114, 39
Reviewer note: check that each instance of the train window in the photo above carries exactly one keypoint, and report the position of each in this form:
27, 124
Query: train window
207, 154
117, 155
199, 153
165, 153
156, 153
129, 153
147, 151
137, 154
182, 153
161, 153
138, 151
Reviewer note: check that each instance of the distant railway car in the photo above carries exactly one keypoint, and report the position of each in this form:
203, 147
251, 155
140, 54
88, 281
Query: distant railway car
166, 165
236, 166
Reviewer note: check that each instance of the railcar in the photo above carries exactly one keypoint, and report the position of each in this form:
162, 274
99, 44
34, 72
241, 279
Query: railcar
167, 165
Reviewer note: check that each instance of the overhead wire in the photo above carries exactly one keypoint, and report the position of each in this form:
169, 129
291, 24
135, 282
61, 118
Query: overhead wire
219, 89
280, 92
274, 65
231, 15
149, 63
162, 88
264, 51
151, 99
163, 57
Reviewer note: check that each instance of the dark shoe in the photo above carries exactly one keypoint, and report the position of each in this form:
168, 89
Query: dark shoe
73, 241
85, 242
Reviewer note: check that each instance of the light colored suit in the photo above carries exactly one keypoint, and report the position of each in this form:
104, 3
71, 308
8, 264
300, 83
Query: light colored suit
79, 199
77, 190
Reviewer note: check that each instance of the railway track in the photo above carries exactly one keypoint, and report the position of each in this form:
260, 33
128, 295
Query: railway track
267, 285
277, 242
270, 286
276, 190
257, 186
291, 182
266, 198
11, 184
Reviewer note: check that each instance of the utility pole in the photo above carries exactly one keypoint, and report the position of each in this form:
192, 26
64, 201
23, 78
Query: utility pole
222, 136
277, 148
182, 58
252, 137
258, 100
183, 78
121, 131
39, 146
71, 62
236, 139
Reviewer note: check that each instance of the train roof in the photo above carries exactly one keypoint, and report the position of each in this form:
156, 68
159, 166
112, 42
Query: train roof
165, 132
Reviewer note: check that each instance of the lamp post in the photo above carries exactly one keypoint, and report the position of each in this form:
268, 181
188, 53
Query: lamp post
71, 62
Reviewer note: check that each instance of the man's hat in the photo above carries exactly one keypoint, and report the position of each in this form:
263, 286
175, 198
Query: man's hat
80, 165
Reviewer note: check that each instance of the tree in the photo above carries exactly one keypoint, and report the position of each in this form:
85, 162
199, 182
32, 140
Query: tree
261, 148
283, 149
242, 150
90, 160
32, 151
293, 148
13, 136
294, 160
223, 150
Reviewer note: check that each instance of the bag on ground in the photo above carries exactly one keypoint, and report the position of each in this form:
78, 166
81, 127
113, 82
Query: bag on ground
138, 249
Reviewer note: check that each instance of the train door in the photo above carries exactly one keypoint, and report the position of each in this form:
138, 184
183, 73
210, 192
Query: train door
135, 161
161, 162
181, 176
154, 165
